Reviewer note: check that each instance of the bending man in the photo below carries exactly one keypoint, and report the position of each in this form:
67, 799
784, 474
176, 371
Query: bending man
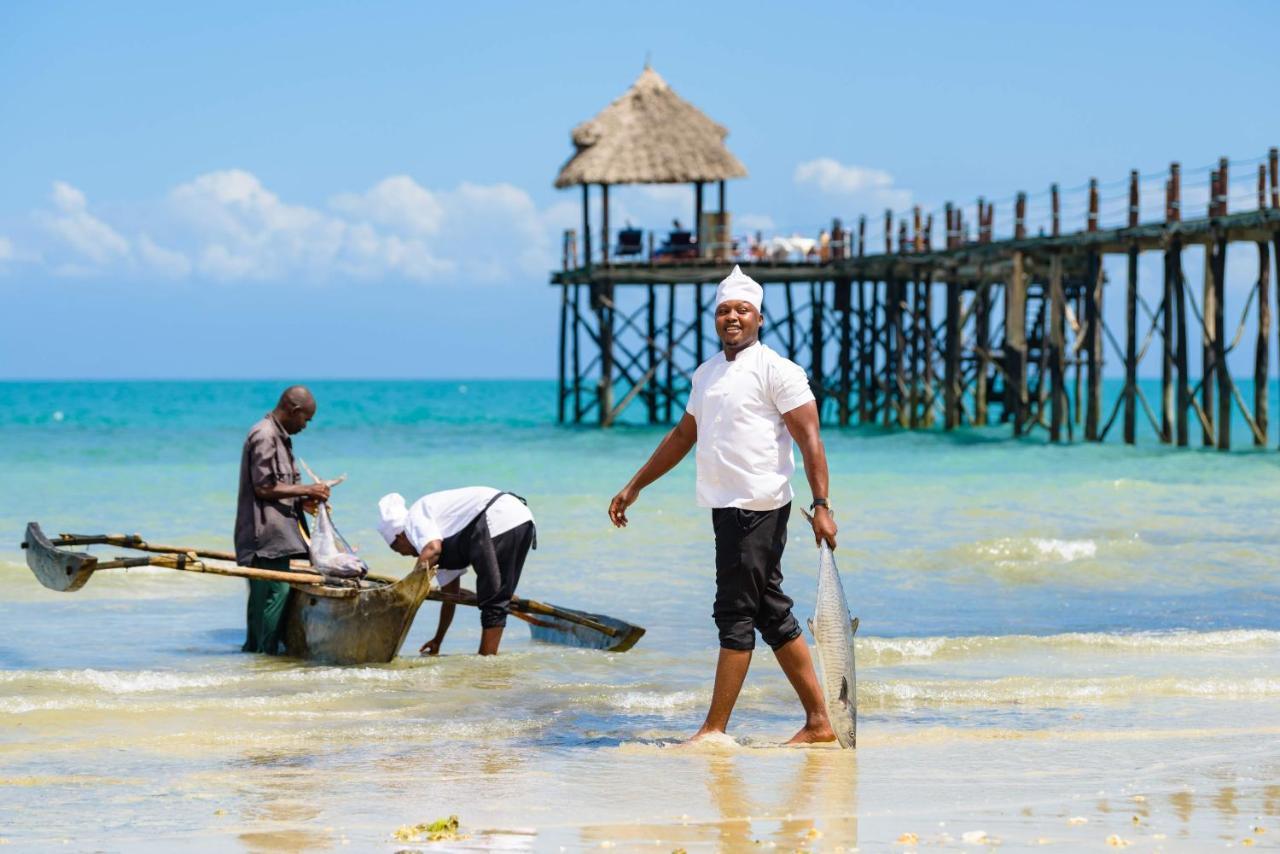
269, 519
745, 407
478, 527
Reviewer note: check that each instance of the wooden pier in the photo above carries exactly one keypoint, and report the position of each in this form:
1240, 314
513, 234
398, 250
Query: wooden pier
914, 328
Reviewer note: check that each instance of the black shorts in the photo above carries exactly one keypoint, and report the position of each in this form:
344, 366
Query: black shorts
749, 595
497, 561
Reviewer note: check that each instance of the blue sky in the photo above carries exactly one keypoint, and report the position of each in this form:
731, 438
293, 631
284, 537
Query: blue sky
333, 190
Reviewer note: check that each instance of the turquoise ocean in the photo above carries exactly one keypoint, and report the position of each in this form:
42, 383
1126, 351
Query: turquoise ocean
1058, 644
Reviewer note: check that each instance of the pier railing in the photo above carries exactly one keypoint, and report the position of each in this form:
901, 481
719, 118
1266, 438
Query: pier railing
970, 324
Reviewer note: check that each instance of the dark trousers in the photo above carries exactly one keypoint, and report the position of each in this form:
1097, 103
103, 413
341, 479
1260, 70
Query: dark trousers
497, 561
266, 610
749, 597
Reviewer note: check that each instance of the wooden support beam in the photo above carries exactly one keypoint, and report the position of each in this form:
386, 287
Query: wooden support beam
1131, 324
560, 352
1015, 345
792, 350
577, 363
1179, 311
586, 226
926, 320
895, 363
1057, 348
697, 214
844, 305
651, 384
1094, 348
816, 376
915, 344
669, 380
1056, 206
861, 360
604, 319
604, 224
951, 370
1220, 341
1262, 349
699, 311
1207, 348
871, 377
982, 346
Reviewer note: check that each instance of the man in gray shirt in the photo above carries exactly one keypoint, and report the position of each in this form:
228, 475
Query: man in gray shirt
269, 519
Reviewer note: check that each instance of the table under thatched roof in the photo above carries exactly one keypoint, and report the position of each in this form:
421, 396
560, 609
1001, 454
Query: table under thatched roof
649, 136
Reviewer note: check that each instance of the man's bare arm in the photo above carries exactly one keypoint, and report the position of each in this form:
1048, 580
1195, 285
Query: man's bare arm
802, 424
671, 450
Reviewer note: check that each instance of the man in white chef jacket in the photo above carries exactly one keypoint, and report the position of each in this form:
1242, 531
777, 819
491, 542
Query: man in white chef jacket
479, 527
746, 406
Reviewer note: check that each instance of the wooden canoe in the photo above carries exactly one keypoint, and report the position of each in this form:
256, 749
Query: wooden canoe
342, 622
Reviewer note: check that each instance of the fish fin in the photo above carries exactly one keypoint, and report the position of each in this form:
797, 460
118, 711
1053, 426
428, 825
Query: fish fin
853, 624
811, 631
844, 690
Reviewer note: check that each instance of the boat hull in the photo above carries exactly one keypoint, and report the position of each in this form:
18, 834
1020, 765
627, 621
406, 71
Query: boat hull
367, 627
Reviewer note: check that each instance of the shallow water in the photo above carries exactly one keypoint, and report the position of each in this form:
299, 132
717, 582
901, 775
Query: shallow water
1057, 644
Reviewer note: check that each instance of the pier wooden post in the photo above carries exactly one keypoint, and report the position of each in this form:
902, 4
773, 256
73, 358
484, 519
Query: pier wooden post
697, 321
866, 329
817, 380
1057, 374
982, 345
844, 305
604, 224
577, 363
1015, 344
1219, 255
951, 370
669, 380
1262, 348
604, 317
560, 352
1131, 323
1174, 256
1093, 344
916, 346
792, 352
651, 384
895, 407
1207, 349
927, 321
697, 219
586, 226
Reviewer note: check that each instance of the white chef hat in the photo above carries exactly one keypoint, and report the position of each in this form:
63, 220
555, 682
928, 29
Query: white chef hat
739, 286
392, 513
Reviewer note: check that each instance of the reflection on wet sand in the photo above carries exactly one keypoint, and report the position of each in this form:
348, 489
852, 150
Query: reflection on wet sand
283, 804
817, 801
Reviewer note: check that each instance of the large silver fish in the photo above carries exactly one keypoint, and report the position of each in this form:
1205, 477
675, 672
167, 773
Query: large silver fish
330, 552
833, 633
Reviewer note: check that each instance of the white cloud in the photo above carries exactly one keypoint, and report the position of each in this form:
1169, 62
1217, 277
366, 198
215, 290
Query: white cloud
228, 225
89, 237
6, 249
873, 186
397, 202
166, 262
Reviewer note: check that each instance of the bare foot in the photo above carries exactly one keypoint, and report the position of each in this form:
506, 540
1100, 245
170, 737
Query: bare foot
813, 734
712, 738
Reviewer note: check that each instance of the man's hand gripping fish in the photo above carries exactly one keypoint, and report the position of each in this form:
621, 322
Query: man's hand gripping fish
833, 631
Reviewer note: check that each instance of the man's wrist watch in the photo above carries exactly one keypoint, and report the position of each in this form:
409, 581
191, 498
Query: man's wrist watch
820, 502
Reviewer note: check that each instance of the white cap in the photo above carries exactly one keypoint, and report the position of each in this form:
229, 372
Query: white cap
739, 286
392, 513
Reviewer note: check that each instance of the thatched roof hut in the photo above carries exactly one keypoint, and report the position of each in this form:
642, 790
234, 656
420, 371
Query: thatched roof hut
650, 135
